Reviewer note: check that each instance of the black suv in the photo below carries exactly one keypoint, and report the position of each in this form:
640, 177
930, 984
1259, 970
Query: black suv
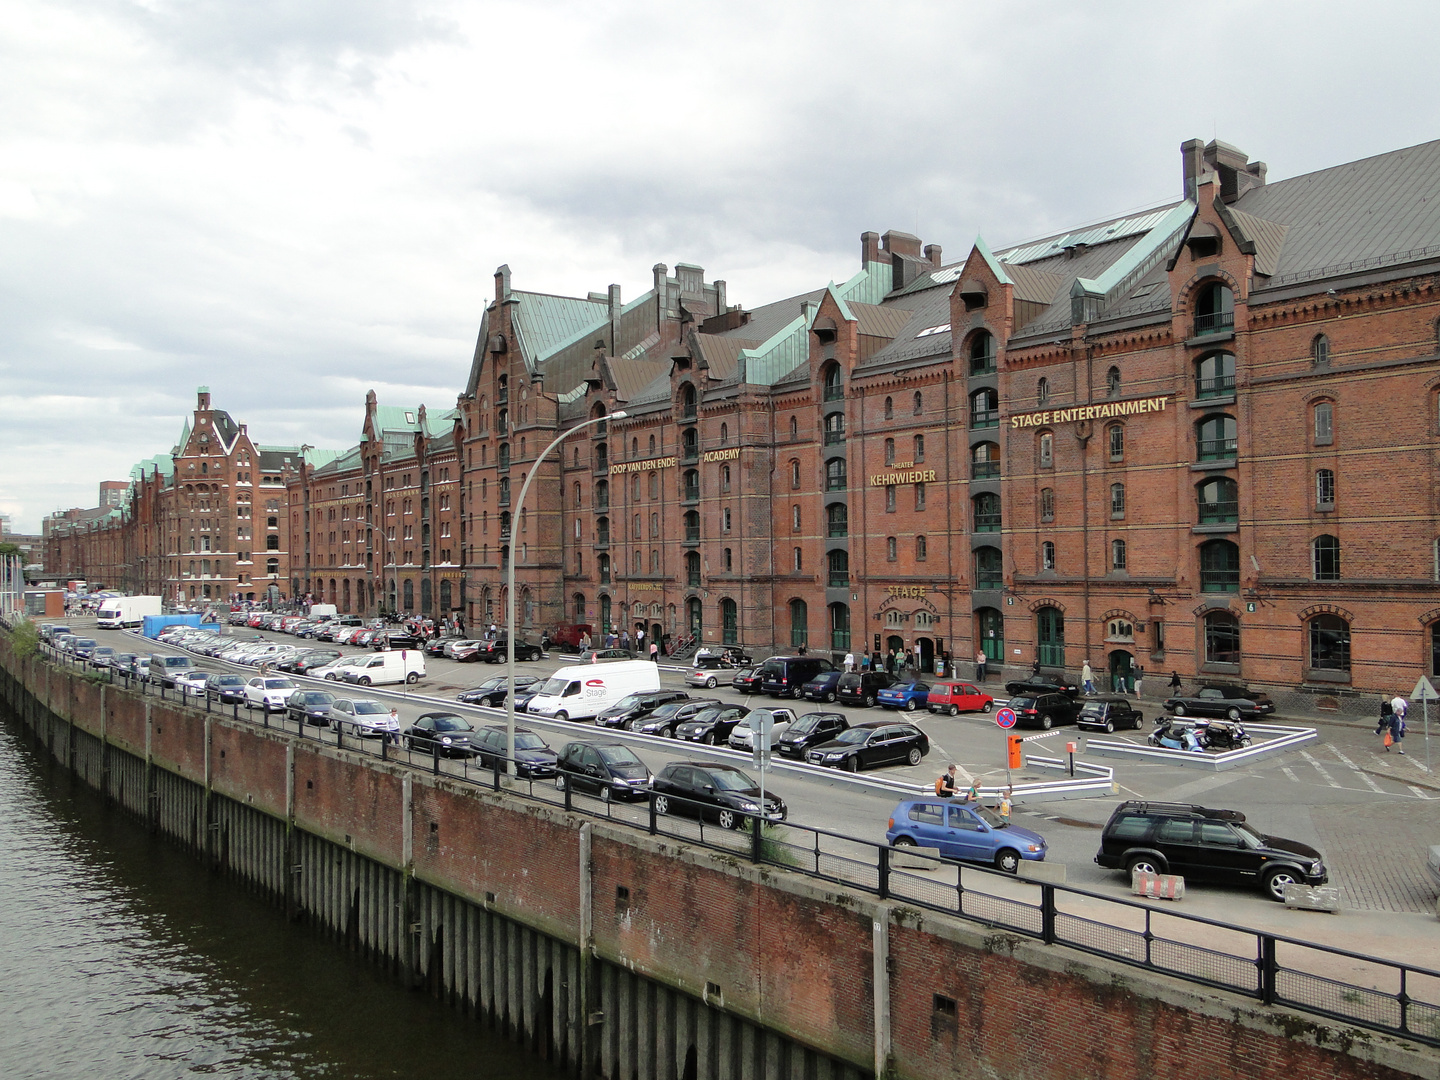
1108, 712
860, 687
632, 707
1044, 710
783, 676
1230, 702
1206, 845
812, 729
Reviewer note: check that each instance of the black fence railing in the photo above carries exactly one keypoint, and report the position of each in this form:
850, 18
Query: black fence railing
1350, 987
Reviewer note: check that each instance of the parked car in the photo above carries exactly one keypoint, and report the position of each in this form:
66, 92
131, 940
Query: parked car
823, 687
492, 691
1229, 702
742, 735
443, 733
632, 707
907, 694
305, 662
192, 683
953, 698
746, 680
711, 725
395, 639
533, 758
862, 687
225, 688
719, 793
497, 651
268, 692
867, 746
103, 656
605, 654
664, 719
610, 770
83, 647
783, 676
1043, 684
1205, 845
809, 730
363, 716
310, 706
1045, 710
1107, 712
707, 672
964, 830
454, 645
437, 646
466, 651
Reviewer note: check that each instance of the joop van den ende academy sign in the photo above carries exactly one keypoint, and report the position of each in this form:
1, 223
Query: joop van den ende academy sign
1107, 411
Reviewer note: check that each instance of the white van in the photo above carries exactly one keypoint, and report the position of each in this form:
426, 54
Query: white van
584, 691
392, 666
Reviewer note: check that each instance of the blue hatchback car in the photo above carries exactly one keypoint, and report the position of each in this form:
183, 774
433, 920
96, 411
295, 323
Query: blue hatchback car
964, 830
907, 694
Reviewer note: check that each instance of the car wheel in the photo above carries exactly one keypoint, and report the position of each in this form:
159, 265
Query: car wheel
1232, 713
662, 804
560, 781
987, 706
729, 819
711, 683
562, 715
330, 676
709, 739
954, 710
668, 732
830, 697
1047, 721
914, 756
910, 705
1143, 864
1179, 710
413, 678
1109, 727
905, 841
852, 764
1008, 861
1276, 880
869, 700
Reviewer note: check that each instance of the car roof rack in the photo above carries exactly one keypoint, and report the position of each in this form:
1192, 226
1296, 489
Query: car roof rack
1144, 806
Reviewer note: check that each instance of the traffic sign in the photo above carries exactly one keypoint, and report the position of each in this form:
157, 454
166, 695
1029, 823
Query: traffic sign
1006, 717
1424, 691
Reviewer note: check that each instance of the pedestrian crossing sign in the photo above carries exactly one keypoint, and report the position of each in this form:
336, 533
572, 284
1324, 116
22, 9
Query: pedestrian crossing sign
1424, 691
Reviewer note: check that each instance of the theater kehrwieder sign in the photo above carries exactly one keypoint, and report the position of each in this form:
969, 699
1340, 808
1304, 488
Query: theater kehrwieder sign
1108, 411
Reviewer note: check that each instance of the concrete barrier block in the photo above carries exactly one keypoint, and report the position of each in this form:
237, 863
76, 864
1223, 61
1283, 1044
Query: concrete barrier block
1158, 886
1051, 873
1313, 897
904, 858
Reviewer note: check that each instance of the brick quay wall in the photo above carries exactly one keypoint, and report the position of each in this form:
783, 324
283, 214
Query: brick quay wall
632, 957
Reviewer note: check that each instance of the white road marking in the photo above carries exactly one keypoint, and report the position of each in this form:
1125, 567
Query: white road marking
1366, 777
1419, 792
1290, 773
1319, 768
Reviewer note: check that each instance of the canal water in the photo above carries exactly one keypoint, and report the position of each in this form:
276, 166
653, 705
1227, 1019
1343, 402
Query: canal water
121, 957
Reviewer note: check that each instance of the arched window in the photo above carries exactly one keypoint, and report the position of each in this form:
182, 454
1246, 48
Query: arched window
408, 590
840, 627
724, 434
634, 448
272, 543
1112, 382
654, 485
691, 479
605, 616
729, 623
654, 525
834, 383
1218, 501
838, 564
602, 495
637, 562
687, 402
799, 624
989, 568
690, 444
577, 605
794, 428
1222, 638
985, 408
919, 403
837, 521
1320, 350
892, 551
692, 526
1216, 438
1324, 489
1329, 644
579, 503
1219, 566
1214, 309
635, 489
1117, 554
1215, 375
987, 512
636, 530
795, 518
1324, 423
502, 456
1042, 391
889, 451
1050, 636
889, 408
504, 491
1115, 440
834, 429
835, 474
794, 474
692, 569
602, 531
1047, 555
1047, 504
1325, 557
1117, 500
985, 461
922, 548
1045, 446
694, 615
917, 452
982, 353
652, 446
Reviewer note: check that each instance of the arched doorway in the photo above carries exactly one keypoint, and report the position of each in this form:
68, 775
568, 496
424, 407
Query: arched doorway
1122, 672
894, 643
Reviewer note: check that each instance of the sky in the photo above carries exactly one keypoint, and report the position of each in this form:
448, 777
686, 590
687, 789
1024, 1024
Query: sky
293, 203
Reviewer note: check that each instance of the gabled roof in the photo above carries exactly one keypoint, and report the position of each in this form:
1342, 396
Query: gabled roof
544, 323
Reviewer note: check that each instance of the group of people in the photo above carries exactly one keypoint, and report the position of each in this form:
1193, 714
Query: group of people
948, 786
1120, 683
894, 662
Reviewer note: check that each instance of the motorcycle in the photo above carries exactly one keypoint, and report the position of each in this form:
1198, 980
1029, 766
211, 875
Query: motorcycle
1224, 735
1173, 734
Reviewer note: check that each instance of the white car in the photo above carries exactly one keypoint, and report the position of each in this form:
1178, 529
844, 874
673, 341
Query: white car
363, 716
192, 683
336, 672
742, 735
268, 692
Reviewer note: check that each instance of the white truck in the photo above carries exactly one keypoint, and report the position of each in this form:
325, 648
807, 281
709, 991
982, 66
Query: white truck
124, 612
320, 612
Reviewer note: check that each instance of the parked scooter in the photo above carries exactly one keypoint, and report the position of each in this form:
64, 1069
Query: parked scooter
1173, 734
1223, 734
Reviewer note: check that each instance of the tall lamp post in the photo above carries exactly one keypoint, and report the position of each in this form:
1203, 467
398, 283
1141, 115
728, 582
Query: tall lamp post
510, 581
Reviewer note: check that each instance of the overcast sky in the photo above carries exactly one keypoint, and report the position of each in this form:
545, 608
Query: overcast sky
294, 201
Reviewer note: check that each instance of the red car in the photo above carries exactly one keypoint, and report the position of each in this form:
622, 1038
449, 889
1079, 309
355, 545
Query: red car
953, 698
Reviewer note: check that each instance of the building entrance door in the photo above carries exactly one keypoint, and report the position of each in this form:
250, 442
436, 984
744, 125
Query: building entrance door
1122, 672
927, 654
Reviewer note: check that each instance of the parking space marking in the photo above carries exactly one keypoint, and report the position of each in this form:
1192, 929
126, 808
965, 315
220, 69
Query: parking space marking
1290, 773
1324, 774
1366, 777
1420, 793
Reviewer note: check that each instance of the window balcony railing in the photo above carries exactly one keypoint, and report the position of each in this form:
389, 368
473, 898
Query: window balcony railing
839, 579
985, 470
1214, 323
834, 438
989, 579
503, 396
1218, 449
1219, 580
604, 577
982, 365
987, 522
835, 483
840, 640
693, 580
688, 412
504, 499
504, 533
602, 539
692, 492
833, 393
1219, 386
602, 502
838, 530
692, 535
984, 418
689, 454
1216, 513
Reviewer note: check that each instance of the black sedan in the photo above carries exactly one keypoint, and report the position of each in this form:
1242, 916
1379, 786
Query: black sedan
445, 733
1230, 702
719, 793
1045, 710
1043, 684
309, 706
747, 680
308, 661
1107, 712
492, 691
812, 729
632, 707
226, 689
393, 639
866, 746
664, 719
610, 770
533, 758
498, 651
711, 726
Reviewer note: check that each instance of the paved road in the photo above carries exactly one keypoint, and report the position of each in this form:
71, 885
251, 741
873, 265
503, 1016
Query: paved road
1372, 814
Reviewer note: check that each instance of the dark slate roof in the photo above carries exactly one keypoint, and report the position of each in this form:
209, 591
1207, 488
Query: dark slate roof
769, 319
273, 459
932, 311
721, 354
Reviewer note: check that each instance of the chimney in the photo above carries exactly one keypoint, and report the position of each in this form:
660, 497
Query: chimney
502, 282
869, 248
901, 243
1191, 164
932, 252
1237, 173
202, 399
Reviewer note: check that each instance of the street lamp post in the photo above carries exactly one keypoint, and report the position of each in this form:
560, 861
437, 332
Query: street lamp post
510, 581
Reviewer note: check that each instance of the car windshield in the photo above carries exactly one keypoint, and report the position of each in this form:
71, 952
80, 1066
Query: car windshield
664, 712
554, 687
1022, 703
1247, 832
369, 708
629, 701
707, 716
1093, 708
317, 697
618, 755
229, 680
989, 817
854, 735
807, 723
731, 780
528, 740
450, 723
279, 684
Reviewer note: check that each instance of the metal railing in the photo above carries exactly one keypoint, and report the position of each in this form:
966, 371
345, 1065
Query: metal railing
1219, 580
984, 470
1212, 513
1213, 323
1349, 987
987, 522
1218, 449
984, 418
1219, 386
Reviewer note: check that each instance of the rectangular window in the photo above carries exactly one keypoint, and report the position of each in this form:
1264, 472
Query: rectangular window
919, 496
1325, 489
1324, 424
889, 498
919, 448
1157, 635
1047, 450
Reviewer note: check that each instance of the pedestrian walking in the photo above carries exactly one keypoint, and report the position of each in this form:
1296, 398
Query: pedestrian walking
980, 665
849, 661
1139, 678
1006, 802
393, 735
1175, 682
864, 661
1035, 669
655, 653
1087, 678
947, 785
640, 642
1399, 707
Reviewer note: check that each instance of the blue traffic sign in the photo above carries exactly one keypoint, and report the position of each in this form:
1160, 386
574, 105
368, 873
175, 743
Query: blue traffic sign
1005, 717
